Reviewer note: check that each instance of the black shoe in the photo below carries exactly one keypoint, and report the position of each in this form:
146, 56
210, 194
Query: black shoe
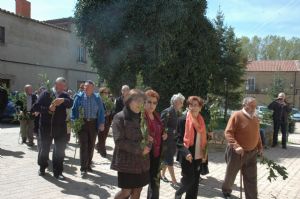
103, 154
226, 195
83, 174
31, 144
59, 176
41, 172
274, 145
164, 179
89, 170
284, 147
23, 141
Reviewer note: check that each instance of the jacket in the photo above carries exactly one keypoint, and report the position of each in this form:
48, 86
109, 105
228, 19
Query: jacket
128, 153
280, 111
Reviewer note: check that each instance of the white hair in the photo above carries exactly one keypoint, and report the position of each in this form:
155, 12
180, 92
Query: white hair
60, 80
248, 100
125, 87
176, 97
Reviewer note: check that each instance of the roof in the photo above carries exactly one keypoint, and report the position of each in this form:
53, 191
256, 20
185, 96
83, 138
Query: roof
34, 20
273, 66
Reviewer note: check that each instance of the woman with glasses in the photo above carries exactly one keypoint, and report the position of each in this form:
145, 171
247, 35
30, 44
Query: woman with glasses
129, 158
157, 135
191, 143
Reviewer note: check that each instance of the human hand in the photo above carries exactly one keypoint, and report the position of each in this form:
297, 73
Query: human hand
240, 151
189, 158
260, 152
58, 101
150, 139
52, 107
101, 127
146, 150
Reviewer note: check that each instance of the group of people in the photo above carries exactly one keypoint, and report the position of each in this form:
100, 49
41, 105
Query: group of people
137, 157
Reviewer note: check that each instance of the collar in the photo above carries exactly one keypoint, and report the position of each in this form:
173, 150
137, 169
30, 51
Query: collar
251, 116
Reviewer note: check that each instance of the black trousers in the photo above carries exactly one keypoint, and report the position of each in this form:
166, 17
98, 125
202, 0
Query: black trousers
59, 135
87, 139
190, 179
279, 125
153, 188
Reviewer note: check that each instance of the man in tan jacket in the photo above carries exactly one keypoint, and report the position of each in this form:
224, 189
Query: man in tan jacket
242, 134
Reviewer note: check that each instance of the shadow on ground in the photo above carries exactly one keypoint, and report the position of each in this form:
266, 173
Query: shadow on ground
16, 154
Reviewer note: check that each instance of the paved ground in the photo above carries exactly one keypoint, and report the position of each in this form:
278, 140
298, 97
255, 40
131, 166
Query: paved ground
19, 179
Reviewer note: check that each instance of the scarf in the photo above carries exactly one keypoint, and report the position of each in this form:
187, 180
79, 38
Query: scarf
191, 125
155, 128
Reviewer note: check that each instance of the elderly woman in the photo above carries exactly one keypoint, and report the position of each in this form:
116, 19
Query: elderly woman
157, 135
102, 135
169, 117
191, 143
129, 158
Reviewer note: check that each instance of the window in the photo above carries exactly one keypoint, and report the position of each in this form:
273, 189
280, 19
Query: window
2, 34
250, 84
81, 55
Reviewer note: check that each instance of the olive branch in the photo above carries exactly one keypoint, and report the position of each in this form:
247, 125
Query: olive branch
275, 169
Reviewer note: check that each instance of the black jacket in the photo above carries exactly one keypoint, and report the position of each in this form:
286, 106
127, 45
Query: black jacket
42, 106
119, 104
3, 100
280, 111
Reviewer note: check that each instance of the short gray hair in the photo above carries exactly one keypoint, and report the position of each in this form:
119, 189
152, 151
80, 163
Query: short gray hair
176, 97
248, 100
60, 80
125, 87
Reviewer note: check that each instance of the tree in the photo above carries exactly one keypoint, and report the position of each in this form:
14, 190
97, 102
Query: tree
231, 64
278, 86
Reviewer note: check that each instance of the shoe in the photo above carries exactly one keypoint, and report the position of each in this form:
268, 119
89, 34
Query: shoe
41, 172
103, 154
274, 145
31, 144
175, 185
284, 147
83, 174
23, 141
226, 195
164, 179
59, 177
89, 170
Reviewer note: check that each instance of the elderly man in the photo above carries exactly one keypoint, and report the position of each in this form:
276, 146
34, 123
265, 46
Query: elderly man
93, 116
281, 110
52, 107
119, 104
27, 118
242, 134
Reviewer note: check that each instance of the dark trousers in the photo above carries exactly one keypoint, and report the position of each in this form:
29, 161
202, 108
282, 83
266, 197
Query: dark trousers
59, 133
102, 135
87, 139
249, 171
279, 125
190, 179
153, 188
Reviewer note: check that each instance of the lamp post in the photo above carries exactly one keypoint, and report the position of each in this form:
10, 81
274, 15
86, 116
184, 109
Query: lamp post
226, 98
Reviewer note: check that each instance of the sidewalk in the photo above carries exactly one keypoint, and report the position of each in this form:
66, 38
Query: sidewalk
19, 179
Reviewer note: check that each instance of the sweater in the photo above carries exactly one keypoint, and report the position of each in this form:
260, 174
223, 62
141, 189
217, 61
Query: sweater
242, 131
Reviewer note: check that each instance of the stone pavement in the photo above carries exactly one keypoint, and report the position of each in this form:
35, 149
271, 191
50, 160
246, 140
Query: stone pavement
19, 179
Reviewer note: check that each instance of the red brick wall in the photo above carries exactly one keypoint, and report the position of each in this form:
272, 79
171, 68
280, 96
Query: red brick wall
23, 8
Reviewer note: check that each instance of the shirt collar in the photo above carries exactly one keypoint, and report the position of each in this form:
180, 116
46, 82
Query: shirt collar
251, 116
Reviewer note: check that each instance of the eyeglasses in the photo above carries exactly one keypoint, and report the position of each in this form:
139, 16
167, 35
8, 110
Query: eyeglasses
151, 102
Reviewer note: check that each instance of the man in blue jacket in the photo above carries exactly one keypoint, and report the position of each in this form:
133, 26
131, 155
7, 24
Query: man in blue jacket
52, 107
93, 116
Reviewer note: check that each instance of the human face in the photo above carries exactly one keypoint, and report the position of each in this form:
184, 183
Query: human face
89, 89
135, 105
195, 107
125, 92
60, 86
105, 93
251, 107
151, 104
178, 104
28, 90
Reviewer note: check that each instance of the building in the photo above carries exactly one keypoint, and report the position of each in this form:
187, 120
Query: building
29, 48
260, 77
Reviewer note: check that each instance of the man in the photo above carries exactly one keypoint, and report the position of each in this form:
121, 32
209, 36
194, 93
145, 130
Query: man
52, 107
93, 116
242, 134
26, 115
281, 110
3, 100
119, 104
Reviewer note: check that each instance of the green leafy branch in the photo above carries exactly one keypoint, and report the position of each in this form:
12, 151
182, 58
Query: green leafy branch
78, 123
274, 169
108, 103
144, 129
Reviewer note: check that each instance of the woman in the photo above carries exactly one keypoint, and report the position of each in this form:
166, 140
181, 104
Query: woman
169, 117
102, 135
191, 143
129, 158
157, 135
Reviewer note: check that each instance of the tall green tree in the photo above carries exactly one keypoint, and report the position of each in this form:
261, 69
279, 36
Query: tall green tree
231, 64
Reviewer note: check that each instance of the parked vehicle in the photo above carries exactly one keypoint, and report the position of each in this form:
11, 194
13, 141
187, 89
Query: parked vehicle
9, 112
261, 110
295, 115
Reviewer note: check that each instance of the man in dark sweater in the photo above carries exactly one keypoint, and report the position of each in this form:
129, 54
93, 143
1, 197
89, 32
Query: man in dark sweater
281, 110
52, 107
3, 100
119, 104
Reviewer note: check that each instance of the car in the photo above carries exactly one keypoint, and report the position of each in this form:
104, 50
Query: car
295, 115
9, 112
261, 110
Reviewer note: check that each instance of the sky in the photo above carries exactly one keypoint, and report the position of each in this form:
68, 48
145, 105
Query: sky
247, 17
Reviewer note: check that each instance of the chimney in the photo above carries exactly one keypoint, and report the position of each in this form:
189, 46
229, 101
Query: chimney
23, 8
